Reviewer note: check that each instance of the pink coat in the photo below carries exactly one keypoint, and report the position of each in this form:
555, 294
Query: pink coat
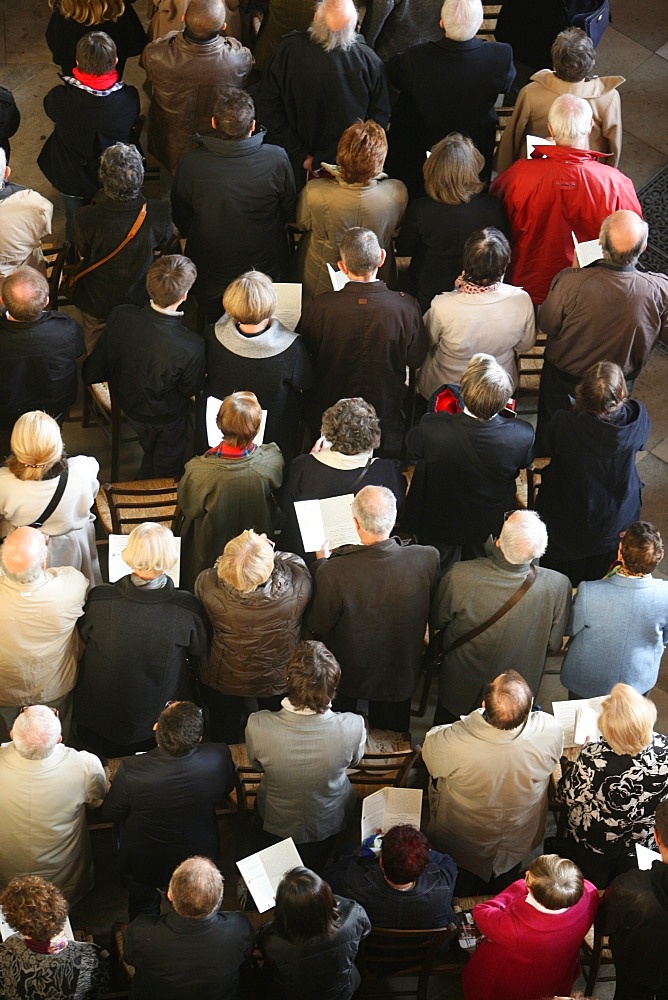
561, 189
527, 954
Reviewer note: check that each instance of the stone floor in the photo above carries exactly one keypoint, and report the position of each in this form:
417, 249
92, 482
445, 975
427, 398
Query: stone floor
636, 46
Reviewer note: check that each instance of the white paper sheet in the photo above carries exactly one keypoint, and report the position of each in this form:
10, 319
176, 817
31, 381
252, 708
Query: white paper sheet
391, 807
646, 858
338, 278
7, 931
213, 435
326, 520
587, 252
289, 307
535, 140
119, 568
565, 714
263, 871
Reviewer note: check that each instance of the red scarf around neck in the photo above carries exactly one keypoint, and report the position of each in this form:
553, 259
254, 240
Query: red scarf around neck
103, 82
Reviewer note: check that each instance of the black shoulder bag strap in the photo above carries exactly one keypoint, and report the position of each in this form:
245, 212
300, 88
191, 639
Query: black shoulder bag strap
54, 501
510, 603
361, 475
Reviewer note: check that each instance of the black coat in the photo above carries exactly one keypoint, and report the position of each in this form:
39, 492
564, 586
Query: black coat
464, 481
86, 123
63, 33
153, 362
636, 919
167, 808
136, 658
445, 86
232, 198
38, 366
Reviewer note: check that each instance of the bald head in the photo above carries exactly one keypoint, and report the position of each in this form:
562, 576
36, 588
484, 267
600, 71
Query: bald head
623, 237
334, 23
25, 294
205, 18
23, 556
375, 511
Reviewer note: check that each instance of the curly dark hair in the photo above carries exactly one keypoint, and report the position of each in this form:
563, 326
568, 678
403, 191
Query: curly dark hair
121, 172
34, 907
351, 426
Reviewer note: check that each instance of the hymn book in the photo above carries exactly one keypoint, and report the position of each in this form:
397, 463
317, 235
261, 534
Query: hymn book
263, 871
390, 807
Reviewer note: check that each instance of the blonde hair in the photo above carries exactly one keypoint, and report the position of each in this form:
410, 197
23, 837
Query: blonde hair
556, 882
451, 172
246, 563
151, 547
627, 720
250, 298
89, 11
36, 445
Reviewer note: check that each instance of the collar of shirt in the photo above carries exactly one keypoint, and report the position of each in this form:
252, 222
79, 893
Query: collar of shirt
166, 312
230, 451
538, 906
289, 707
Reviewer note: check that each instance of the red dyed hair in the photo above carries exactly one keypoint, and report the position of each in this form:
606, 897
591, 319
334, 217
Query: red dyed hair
405, 854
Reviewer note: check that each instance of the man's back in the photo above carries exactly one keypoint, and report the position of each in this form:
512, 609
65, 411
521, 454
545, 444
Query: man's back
178, 957
604, 313
371, 606
25, 219
43, 819
360, 340
561, 189
232, 199
636, 919
489, 806
38, 368
309, 96
187, 77
167, 806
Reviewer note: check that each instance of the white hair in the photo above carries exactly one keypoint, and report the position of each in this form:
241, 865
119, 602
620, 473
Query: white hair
462, 19
523, 537
328, 38
36, 732
375, 508
152, 547
3, 167
570, 119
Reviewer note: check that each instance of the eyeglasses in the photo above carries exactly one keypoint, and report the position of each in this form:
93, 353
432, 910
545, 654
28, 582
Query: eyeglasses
50, 707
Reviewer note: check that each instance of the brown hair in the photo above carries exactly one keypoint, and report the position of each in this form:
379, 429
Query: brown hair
239, 418
627, 720
602, 389
361, 152
485, 386
508, 700
556, 882
351, 426
305, 907
573, 55
180, 727
451, 172
25, 293
312, 676
34, 907
96, 53
233, 113
486, 257
642, 547
170, 278
196, 888
89, 11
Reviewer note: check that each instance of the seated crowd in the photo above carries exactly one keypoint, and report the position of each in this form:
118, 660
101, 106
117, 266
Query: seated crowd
289, 651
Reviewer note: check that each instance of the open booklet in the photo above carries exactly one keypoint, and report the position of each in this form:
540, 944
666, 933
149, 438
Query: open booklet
390, 807
578, 719
213, 435
7, 931
263, 871
338, 278
326, 520
587, 252
289, 308
535, 140
119, 568
646, 857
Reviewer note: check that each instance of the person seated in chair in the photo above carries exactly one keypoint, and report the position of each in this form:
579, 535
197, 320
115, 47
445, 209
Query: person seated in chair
409, 886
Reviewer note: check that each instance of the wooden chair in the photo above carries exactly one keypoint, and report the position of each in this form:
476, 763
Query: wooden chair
530, 370
99, 402
382, 770
55, 261
398, 954
491, 13
595, 952
433, 657
534, 476
122, 506
504, 115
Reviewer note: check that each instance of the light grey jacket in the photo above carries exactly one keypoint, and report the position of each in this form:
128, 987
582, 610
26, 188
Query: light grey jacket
305, 793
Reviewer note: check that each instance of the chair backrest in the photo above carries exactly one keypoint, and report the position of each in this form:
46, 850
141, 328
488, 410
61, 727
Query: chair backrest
380, 770
133, 503
55, 262
491, 13
395, 954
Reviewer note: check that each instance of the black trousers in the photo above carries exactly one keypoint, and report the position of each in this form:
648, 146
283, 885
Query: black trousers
228, 713
392, 715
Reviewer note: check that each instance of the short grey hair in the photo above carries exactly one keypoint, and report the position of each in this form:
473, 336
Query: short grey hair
121, 172
360, 250
523, 537
328, 38
36, 732
462, 19
486, 387
375, 508
151, 547
570, 119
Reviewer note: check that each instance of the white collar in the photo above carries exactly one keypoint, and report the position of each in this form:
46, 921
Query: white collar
166, 312
538, 906
337, 460
289, 707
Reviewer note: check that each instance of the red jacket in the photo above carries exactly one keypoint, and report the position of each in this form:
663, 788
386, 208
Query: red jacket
559, 190
527, 954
